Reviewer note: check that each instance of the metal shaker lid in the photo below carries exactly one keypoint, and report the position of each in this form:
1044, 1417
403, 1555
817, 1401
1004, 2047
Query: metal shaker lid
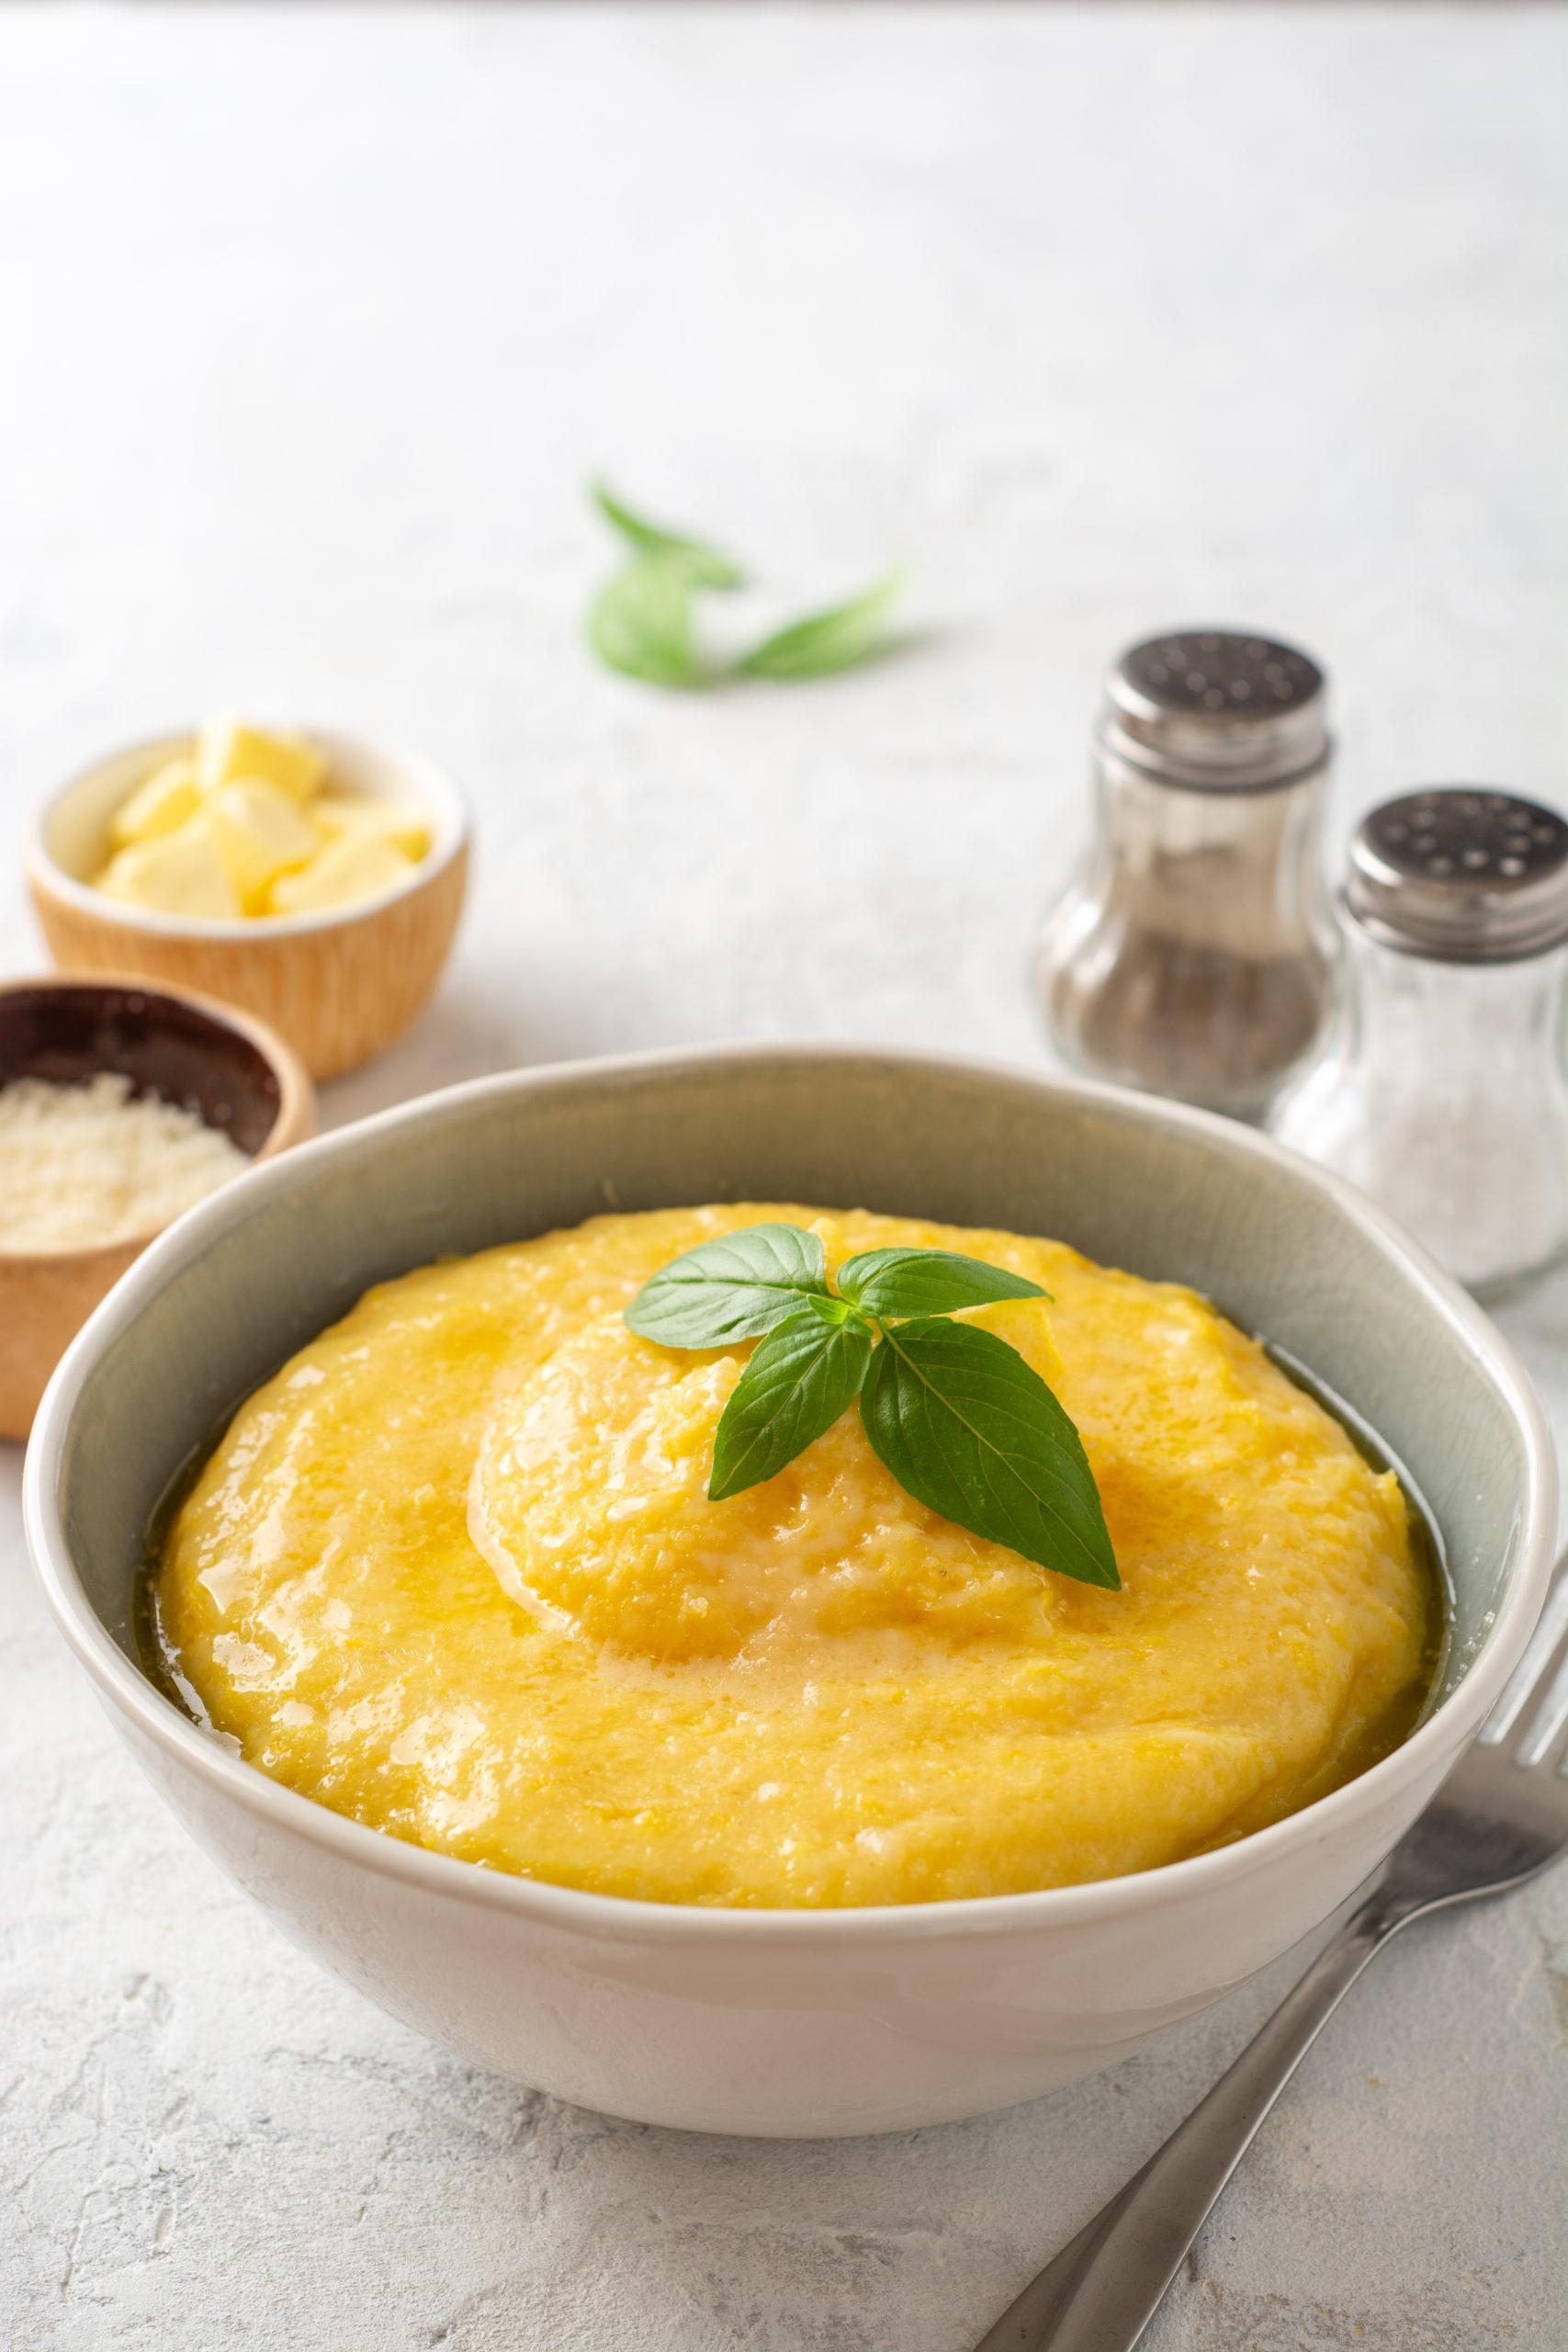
1462, 873
1218, 709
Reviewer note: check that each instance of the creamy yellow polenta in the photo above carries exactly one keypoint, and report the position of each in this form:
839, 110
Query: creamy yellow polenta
453, 1573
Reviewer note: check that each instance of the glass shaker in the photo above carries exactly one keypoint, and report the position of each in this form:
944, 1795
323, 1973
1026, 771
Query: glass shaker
1439, 1085
1190, 955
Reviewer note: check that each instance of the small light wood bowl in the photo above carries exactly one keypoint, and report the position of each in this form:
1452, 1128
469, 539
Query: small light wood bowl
239, 1076
339, 987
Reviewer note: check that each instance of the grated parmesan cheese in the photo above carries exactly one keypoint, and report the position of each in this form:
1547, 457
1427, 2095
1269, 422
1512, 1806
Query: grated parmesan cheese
83, 1165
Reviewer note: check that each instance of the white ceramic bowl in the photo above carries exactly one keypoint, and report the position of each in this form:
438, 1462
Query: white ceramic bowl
772, 2022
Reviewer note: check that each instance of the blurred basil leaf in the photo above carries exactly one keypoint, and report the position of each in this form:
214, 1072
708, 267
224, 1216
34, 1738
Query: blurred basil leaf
640, 623
707, 567
824, 642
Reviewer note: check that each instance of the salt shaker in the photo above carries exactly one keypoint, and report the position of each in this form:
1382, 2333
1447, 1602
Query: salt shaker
1190, 955
1439, 1084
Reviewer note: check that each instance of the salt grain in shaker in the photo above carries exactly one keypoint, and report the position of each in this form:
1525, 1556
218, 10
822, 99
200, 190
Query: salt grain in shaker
1439, 1084
1190, 955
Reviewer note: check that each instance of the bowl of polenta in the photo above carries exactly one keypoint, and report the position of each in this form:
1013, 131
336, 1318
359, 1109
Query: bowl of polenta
793, 1590
311, 877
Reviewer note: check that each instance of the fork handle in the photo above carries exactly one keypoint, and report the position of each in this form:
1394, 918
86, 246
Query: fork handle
1103, 2288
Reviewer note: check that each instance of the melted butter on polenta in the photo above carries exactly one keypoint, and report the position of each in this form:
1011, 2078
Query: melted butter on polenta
453, 1573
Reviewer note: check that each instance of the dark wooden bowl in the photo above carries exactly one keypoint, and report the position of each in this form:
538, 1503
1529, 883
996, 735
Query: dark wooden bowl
186, 1049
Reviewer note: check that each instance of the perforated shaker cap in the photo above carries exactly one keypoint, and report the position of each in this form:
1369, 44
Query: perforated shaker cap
1463, 873
1220, 709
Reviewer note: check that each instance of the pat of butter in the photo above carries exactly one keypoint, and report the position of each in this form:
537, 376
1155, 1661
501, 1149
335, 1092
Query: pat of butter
178, 873
169, 796
349, 868
365, 814
258, 833
255, 824
227, 751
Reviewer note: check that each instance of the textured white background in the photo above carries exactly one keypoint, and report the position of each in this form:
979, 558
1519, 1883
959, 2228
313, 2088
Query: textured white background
1104, 317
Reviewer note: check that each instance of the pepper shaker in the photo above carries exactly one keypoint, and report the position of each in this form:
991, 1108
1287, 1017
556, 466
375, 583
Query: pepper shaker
1439, 1085
1190, 955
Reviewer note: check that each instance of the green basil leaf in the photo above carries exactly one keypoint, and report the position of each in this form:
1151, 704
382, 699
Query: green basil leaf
971, 1430
732, 1288
824, 641
926, 1282
705, 566
640, 623
800, 1379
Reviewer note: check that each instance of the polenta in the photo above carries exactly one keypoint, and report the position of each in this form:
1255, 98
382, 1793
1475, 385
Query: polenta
453, 1573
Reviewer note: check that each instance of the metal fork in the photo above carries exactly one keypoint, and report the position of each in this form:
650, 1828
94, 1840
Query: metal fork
1500, 1817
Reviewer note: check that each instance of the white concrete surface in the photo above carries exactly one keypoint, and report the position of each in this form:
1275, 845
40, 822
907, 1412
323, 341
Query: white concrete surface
1104, 317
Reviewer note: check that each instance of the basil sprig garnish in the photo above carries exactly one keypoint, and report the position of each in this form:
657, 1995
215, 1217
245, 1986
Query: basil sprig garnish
643, 620
962, 1421
735, 1288
808, 1369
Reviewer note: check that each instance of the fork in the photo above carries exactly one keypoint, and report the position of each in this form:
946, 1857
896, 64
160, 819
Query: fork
1500, 1817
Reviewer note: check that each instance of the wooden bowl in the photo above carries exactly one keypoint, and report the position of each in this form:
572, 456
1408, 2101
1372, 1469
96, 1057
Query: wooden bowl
339, 987
243, 1079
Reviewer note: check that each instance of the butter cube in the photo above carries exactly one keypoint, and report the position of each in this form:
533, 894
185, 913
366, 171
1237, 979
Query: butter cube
228, 749
259, 833
351, 866
366, 814
179, 874
169, 796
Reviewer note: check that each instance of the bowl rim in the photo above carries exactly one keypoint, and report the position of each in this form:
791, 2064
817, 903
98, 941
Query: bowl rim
622, 1918
431, 786
293, 1121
